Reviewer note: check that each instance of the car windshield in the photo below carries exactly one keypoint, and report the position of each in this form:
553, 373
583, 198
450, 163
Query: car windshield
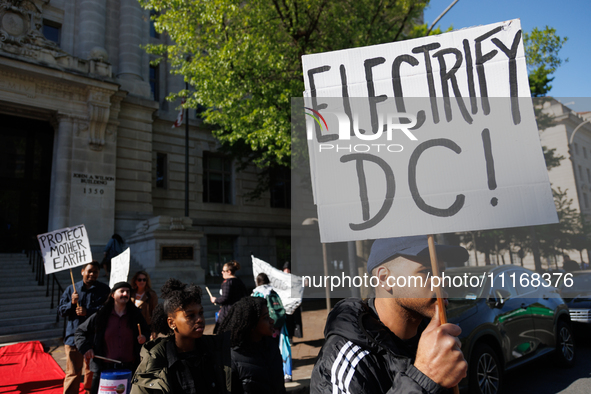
581, 283
463, 285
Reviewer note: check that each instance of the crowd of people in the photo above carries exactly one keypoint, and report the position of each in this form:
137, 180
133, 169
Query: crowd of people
391, 342
126, 328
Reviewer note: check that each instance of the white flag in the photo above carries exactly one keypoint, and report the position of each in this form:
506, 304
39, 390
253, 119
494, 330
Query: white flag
179, 119
287, 286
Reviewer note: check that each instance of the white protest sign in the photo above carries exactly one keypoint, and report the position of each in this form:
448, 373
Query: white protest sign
425, 136
65, 248
287, 286
119, 268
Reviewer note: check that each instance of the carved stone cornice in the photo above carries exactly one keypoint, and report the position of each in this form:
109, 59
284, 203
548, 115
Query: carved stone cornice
21, 34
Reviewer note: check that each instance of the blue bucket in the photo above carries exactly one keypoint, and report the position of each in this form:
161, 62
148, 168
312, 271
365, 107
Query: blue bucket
115, 381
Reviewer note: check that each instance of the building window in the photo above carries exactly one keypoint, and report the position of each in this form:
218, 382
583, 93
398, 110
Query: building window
154, 82
52, 31
217, 178
200, 111
580, 173
220, 250
161, 170
576, 148
280, 187
282, 250
153, 32
588, 176
585, 200
585, 152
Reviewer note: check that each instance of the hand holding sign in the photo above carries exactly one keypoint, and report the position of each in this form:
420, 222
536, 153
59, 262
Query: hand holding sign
81, 311
439, 355
75, 297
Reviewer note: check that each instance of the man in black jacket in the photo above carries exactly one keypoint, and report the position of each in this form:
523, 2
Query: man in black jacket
393, 343
113, 333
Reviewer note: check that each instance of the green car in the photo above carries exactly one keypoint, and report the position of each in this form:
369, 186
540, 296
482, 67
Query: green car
509, 316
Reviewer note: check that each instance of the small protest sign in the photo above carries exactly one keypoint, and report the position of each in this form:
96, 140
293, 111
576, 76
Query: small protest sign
424, 136
119, 268
65, 248
288, 286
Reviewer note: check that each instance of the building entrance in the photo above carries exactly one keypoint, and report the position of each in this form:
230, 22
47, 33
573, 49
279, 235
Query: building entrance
26, 148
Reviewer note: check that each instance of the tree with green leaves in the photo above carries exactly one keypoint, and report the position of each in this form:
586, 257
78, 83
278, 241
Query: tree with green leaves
541, 51
569, 233
243, 58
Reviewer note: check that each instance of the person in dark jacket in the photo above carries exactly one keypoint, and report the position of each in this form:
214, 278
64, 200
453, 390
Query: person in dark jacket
257, 366
232, 290
76, 306
393, 343
113, 332
184, 360
114, 248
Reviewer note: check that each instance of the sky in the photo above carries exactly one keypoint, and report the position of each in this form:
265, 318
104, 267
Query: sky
570, 18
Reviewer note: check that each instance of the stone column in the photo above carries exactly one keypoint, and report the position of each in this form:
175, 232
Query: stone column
130, 39
91, 27
61, 174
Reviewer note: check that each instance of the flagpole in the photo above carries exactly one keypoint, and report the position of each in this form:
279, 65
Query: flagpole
187, 155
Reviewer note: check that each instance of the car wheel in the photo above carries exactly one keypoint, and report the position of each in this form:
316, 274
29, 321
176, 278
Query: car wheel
565, 344
485, 371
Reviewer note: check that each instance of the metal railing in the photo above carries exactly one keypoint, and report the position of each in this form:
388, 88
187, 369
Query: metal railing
38, 268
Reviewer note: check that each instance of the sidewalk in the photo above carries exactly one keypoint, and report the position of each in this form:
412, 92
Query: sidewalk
304, 350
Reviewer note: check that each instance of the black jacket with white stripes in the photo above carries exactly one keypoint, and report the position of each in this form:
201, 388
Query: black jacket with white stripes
361, 355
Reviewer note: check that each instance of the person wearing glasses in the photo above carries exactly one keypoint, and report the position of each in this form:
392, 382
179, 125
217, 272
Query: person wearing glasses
143, 296
232, 291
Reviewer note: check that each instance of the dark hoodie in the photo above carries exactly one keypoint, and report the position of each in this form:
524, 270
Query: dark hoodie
361, 355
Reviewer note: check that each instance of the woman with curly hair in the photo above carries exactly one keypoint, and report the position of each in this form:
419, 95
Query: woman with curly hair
142, 294
257, 367
184, 361
232, 290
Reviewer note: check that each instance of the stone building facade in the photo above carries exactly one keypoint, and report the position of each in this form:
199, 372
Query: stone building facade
87, 138
573, 175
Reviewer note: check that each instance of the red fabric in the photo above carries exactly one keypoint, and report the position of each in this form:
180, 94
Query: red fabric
26, 368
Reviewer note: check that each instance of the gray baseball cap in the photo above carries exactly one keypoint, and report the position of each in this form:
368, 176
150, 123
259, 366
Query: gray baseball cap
414, 248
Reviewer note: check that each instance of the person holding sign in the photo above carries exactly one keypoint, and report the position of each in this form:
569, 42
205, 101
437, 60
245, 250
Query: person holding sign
114, 332
393, 343
79, 301
114, 248
232, 290
184, 360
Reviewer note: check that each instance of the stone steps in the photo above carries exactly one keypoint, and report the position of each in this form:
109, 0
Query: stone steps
42, 335
28, 312
25, 312
18, 325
